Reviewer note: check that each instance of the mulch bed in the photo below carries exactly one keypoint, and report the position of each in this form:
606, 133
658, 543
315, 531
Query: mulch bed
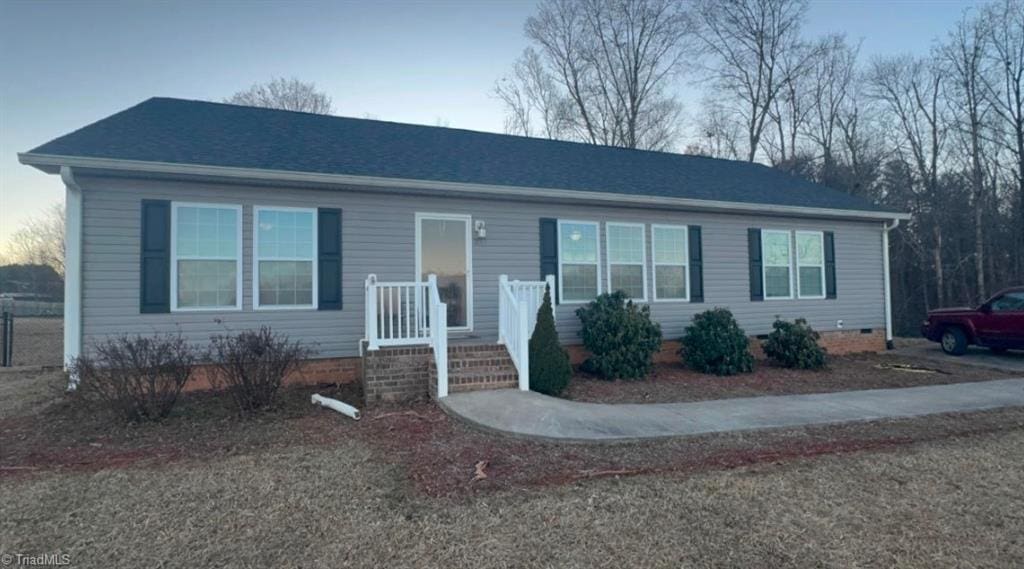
439, 455
671, 383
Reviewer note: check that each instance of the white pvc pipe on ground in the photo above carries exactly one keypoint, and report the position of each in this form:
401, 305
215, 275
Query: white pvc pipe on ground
343, 408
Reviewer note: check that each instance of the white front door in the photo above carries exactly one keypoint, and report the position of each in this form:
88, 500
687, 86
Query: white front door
444, 247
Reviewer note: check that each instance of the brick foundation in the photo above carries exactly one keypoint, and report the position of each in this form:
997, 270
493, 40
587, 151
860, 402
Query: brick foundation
312, 372
837, 342
396, 374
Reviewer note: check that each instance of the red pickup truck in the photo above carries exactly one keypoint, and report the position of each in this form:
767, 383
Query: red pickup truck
998, 324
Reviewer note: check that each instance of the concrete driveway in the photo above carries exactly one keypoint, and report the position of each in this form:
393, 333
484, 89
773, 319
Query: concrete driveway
1012, 361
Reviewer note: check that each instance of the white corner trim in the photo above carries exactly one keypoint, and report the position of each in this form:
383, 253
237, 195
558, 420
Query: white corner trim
49, 160
886, 228
72, 270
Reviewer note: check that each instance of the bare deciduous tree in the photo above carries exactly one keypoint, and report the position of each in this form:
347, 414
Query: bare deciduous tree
1004, 87
912, 90
600, 72
531, 96
831, 75
747, 42
285, 94
40, 240
964, 54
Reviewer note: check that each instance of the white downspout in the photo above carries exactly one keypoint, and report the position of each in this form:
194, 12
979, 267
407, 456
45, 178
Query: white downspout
886, 228
72, 270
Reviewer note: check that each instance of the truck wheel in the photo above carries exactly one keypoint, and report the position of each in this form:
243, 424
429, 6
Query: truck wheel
954, 342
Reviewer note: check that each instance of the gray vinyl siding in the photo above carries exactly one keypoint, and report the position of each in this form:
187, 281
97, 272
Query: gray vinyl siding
378, 236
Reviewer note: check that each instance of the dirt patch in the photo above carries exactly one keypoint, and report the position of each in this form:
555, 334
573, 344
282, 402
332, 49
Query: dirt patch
670, 383
64, 435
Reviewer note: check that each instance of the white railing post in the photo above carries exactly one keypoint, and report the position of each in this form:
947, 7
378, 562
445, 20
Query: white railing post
502, 308
441, 349
524, 348
371, 312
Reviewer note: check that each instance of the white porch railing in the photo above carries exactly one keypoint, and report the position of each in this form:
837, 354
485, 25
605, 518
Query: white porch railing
518, 303
408, 314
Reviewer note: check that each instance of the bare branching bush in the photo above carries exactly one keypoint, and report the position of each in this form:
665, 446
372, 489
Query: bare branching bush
136, 377
251, 365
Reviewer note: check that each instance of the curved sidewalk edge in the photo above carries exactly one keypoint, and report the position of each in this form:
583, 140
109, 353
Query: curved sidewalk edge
535, 416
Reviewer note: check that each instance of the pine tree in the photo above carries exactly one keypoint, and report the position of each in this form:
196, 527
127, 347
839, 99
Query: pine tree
549, 362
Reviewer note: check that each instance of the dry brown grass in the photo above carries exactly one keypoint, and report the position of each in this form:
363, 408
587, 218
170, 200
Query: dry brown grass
308, 488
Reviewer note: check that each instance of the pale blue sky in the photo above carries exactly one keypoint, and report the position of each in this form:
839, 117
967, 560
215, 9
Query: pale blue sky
64, 64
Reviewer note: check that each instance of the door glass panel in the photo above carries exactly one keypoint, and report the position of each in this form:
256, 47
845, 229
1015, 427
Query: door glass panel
443, 253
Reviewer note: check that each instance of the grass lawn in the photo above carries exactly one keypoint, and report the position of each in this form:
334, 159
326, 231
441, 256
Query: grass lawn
671, 383
303, 487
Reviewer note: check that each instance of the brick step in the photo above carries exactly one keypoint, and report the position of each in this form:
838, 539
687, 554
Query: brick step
488, 361
475, 348
455, 366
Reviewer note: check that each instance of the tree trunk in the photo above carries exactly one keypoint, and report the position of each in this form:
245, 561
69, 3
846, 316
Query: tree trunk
940, 282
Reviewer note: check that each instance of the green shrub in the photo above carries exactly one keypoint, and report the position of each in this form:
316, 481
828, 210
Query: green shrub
136, 377
549, 362
794, 344
251, 365
620, 337
716, 344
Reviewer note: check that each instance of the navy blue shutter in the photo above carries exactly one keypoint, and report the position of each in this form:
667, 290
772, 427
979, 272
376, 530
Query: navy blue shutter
549, 252
754, 253
696, 264
155, 257
329, 259
830, 265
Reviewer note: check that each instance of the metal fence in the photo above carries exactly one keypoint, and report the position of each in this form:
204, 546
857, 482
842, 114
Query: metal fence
37, 308
6, 339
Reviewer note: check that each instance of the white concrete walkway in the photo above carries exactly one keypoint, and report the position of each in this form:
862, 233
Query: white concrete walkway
532, 415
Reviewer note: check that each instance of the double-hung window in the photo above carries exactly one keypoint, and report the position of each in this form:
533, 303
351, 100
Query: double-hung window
627, 252
579, 261
669, 248
810, 264
284, 245
206, 257
777, 255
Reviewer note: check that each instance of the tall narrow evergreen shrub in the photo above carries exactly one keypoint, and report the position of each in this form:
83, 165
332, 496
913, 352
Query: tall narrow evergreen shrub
549, 362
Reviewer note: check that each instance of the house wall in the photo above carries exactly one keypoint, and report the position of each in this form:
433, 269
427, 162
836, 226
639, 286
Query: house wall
378, 236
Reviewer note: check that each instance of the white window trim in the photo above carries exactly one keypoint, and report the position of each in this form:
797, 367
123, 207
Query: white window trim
561, 258
764, 264
256, 259
174, 258
796, 258
419, 216
655, 264
643, 254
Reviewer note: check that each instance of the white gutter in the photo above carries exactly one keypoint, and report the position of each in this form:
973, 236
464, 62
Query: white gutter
49, 160
886, 228
72, 270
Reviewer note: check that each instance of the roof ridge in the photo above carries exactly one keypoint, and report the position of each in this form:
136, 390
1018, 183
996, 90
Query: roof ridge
534, 139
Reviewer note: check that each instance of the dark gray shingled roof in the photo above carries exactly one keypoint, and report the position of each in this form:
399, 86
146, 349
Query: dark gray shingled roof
215, 134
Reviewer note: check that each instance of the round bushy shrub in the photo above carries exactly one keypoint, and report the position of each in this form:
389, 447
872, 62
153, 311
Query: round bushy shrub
620, 337
794, 344
549, 362
716, 344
